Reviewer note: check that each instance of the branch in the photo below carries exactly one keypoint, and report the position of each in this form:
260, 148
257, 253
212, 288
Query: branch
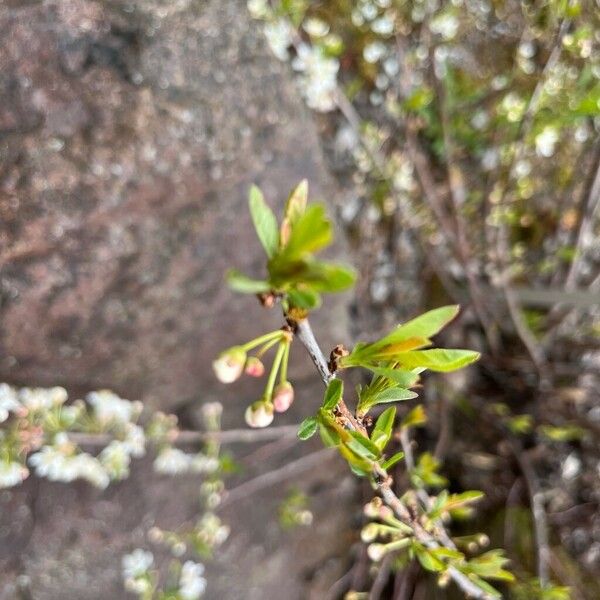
383, 482
245, 436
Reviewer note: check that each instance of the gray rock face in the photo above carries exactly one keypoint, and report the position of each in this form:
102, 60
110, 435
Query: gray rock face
129, 134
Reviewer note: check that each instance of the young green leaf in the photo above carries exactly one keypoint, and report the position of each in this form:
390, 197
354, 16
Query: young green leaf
264, 221
311, 232
382, 432
308, 428
390, 462
333, 394
304, 298
329, 436
423, 326
362, 446
428, 561
438, 359
239, 282
395, 394
415, 417
403, 378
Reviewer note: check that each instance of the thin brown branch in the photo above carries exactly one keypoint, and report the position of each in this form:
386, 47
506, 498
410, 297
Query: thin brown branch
275, 476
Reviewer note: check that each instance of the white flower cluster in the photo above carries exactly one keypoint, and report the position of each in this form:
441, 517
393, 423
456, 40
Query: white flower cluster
61, 462
12, 473
211, 531
135, 571
172, 461
318, 77
279, 37
192, 584
109, 408
9, 402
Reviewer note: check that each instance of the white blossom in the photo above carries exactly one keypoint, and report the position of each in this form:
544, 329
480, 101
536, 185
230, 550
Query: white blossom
258, 8
137, 563
279, 37
374, 51
191, 582
115, 459
318, 79
315, 27
545, 141
108, 407
204, 464
445, 25
135, 440
8, 401
42, 399
172, 461
12, 473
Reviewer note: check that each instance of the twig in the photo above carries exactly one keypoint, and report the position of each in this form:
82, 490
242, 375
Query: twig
540, 521
231, 436
277, 475
382, 481
381, 579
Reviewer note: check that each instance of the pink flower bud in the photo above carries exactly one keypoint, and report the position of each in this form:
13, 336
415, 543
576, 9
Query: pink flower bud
230, 364
283, 396
254, 367
259, 414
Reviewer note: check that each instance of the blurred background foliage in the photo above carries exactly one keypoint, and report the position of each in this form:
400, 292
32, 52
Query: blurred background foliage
465, 136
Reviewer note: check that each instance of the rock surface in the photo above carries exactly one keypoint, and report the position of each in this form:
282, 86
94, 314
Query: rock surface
129, 134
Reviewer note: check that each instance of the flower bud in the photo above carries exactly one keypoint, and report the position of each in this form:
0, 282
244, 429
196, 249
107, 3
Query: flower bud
230, 364
369, 533
259, 414
376, 552
283, 396
254, 367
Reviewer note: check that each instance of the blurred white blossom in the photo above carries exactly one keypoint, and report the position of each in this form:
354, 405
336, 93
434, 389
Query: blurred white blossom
172, 461
191, 582
8, 401
279, 37
108, 407
318, 79
12, 473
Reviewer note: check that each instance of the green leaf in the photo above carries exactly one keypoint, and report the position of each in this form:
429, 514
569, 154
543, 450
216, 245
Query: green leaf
329, 436
382, 432
423, 326
390, 462
490, 565
264, 221
415, 417
395, 394
329, 277
308, 428
311, 232
333, 394
304, 298
438, 359
428, 561
362, 446
239, 282
403, 378
296, 202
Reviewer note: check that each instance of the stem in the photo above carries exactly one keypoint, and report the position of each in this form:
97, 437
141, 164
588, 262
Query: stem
274, 370
261, 340
284, 362
266, 347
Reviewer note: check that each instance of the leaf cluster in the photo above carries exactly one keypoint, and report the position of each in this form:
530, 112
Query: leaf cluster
293, 271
